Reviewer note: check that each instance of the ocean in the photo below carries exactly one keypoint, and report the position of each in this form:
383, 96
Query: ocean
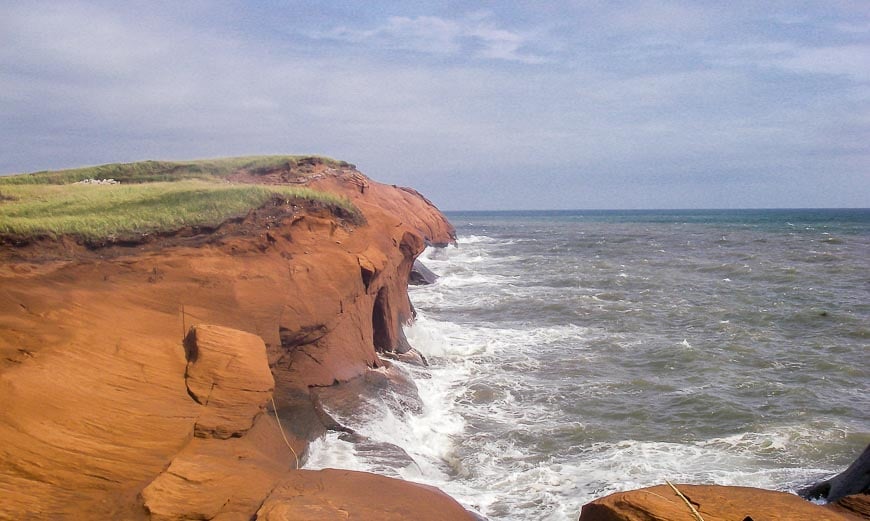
575, 354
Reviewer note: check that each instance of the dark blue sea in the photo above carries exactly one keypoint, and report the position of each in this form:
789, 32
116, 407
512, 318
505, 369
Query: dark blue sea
578, 353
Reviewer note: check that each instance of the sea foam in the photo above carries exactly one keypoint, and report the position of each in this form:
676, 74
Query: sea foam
541, 395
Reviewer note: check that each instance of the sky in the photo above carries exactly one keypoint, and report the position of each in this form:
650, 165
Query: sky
479, 105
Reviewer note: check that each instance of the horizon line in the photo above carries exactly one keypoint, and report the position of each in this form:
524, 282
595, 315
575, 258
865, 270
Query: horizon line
784, 208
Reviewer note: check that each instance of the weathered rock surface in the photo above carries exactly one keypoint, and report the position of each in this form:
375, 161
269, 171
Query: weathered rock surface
713, 503
329, 495
228, 374
220, 479
857, 506
421, 275
103, 414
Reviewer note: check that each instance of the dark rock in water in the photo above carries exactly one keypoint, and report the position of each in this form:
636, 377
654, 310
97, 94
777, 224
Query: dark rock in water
390, 386
421, 275
382, 457
411, 356
329, 423
405, 352
402, 344
853, 480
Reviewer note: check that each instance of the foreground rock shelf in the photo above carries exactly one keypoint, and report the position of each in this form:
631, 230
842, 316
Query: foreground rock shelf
712, 503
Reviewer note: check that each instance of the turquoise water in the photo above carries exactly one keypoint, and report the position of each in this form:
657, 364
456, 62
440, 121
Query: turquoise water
575, 354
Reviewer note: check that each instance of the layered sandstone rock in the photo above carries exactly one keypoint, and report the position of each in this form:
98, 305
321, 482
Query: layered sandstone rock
220, 479
856, 505
106, 414
228, 374
713, 503
330, 495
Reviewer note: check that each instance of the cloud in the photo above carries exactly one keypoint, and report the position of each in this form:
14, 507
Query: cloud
853, 28
55, 37
670, 18
849, 61
475, 34
456, 118
426, 34
852, 61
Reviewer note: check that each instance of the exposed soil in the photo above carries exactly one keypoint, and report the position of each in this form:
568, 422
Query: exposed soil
274, 213
302, 172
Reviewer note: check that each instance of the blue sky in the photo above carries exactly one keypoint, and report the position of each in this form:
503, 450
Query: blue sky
488, 105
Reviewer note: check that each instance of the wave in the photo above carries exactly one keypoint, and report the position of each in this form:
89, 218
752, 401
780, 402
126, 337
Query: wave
560, 375
477, 438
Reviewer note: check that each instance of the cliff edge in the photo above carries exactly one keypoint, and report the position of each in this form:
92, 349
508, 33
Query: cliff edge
146, 376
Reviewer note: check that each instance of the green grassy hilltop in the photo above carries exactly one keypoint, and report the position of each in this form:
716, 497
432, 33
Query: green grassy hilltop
149, 196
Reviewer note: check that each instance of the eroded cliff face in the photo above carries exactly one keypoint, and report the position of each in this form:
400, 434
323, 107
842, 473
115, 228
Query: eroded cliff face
107, 411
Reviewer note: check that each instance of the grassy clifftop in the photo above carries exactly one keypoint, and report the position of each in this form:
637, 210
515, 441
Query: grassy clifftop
156, 171
150, 196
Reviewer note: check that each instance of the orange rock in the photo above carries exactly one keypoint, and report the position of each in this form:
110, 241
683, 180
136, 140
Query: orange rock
857, 506
227, 372
220, 479
713, 503
330, 495
100, 402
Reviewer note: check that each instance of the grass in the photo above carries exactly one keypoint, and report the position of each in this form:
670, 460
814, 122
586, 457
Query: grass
194, 195
156, 171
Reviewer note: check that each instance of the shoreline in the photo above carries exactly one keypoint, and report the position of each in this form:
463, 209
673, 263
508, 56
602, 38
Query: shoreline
139, 376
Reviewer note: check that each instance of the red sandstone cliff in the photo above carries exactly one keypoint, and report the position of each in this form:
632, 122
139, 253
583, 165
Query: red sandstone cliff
136, 381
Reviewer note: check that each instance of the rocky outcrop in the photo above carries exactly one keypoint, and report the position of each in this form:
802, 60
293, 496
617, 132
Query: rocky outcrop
713, 503
220, 479
228, 374
109, 413
328, 495
421, 275
854, 480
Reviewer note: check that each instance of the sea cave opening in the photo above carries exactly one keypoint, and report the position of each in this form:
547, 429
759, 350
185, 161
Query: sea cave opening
380, 330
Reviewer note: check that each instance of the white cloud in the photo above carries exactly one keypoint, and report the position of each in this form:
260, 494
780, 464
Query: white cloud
77, 38
475, 34
848, 61
502, 45
853, 28
427, 34
670, 18
845, 60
